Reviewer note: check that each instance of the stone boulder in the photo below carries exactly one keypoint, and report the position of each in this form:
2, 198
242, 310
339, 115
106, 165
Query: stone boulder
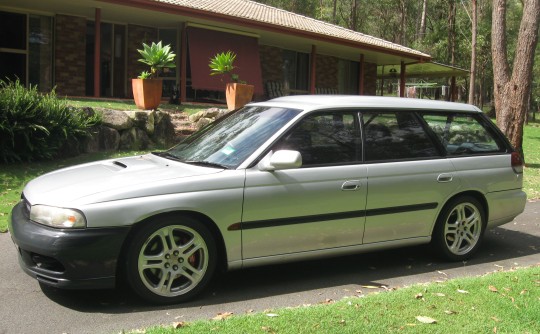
163, 130
103, 139
134, 139
116, 119
143, 119
202, 122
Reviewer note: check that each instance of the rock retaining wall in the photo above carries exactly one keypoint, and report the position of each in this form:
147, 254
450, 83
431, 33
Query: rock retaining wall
131, 130
205, 117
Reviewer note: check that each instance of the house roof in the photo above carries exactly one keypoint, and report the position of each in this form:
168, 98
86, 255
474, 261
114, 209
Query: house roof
275, 27
260, 13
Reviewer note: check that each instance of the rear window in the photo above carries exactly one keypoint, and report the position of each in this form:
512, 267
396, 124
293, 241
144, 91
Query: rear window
464, 134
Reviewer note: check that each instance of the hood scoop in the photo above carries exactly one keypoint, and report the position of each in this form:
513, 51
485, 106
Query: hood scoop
118, 163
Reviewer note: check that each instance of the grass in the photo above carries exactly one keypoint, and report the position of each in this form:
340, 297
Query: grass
502, 302
531, 144
125, 104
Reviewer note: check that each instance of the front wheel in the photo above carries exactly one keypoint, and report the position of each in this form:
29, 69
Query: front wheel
171, 260
459, 228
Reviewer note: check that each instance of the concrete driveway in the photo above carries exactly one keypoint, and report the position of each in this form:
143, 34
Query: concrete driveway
27, 307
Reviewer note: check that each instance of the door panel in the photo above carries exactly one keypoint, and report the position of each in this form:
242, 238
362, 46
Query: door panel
405, 197
303, 209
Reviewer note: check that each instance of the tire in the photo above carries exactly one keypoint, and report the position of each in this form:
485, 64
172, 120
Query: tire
459, 229
170, 259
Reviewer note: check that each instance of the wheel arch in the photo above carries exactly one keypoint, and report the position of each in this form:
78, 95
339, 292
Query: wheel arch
208, 223
473, 193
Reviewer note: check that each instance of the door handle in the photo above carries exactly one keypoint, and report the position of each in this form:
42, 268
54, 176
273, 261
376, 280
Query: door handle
350, 185
443, 178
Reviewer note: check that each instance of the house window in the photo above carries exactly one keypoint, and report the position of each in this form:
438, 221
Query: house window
348, 76
26, 45
112, 59
13, 41
295, 71
40, 47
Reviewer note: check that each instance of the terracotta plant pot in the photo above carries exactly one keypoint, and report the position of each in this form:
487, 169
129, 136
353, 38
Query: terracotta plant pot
147, 93
238, 95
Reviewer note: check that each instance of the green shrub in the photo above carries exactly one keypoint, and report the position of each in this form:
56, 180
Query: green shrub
35, 126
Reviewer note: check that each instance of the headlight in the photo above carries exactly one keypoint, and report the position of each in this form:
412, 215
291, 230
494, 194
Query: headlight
57, 217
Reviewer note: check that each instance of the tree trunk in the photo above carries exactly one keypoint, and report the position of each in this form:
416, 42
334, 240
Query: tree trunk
334, 17
513, 87
354, 15
452, 31
473, 53
423, 22
403, 23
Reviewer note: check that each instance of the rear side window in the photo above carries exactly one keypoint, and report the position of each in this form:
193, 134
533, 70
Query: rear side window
395, 136
464, 134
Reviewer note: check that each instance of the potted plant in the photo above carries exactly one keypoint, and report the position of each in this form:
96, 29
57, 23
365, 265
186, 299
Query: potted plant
237, 92
147, 88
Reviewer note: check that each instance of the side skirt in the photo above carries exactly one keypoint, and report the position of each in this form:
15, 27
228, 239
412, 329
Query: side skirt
324, 253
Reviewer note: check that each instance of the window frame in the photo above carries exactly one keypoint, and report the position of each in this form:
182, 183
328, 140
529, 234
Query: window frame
359, 112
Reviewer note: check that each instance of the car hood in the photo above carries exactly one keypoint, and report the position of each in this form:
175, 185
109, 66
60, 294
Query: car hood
109, 180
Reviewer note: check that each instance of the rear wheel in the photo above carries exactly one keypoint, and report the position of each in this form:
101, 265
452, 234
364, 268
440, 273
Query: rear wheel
171, 260
460, 228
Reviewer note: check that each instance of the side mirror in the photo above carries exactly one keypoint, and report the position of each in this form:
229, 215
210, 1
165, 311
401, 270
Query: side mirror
283, 159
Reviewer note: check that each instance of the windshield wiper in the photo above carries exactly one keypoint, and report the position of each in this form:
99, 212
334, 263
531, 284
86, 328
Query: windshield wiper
207, 164
167, 155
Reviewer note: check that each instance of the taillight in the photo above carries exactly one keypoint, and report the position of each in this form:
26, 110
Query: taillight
517, 162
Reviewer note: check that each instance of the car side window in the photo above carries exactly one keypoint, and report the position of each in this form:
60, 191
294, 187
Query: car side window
463, 134
325, 138
395, 136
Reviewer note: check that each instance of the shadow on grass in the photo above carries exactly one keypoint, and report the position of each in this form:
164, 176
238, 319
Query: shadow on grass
500, 244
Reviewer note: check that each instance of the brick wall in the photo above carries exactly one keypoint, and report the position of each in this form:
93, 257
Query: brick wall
327, 72
370, 79
70, 55
136, 36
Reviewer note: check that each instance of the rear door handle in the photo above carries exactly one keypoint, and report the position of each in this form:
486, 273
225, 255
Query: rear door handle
350, 185
443, 178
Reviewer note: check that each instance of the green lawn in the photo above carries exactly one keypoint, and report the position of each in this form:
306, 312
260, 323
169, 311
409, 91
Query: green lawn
531, 147
130, 105
502, 302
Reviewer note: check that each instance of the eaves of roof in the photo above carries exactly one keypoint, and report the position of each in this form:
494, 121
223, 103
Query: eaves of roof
251, 14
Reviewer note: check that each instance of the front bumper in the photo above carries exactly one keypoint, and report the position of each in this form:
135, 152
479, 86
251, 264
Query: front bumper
75, 259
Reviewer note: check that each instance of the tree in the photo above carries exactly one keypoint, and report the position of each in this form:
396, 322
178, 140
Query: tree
513, 85
472, 80
422, 31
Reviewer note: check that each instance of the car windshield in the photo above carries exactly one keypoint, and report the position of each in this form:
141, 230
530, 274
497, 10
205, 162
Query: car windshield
227, 142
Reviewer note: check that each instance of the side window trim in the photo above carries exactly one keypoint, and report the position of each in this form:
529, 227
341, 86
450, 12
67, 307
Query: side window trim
431, 134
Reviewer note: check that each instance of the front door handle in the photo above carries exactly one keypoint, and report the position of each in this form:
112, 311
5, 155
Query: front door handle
443, 178
350, 185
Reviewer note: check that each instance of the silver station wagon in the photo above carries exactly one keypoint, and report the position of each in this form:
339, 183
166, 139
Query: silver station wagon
293, 178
